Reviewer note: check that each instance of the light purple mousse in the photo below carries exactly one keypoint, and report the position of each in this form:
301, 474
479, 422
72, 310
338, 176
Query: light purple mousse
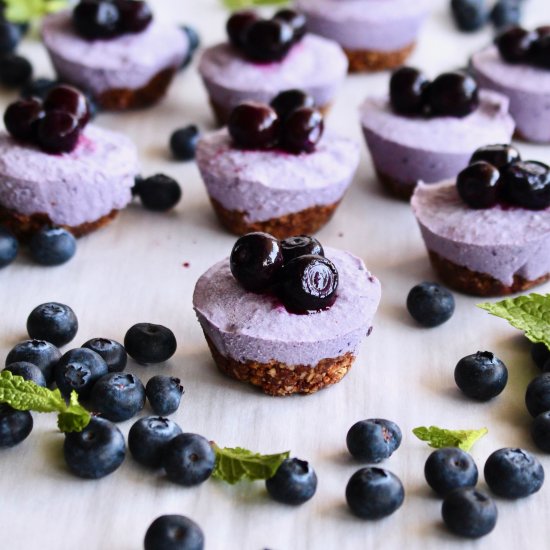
245, 326
126, 62
501, 242
315, 65
372, 25
527, 88
270, 184
72, 188
410, 149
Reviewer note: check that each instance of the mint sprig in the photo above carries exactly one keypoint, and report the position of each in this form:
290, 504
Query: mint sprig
530, 313
22, 11
438, 438
25, 395
241, 4
237, 464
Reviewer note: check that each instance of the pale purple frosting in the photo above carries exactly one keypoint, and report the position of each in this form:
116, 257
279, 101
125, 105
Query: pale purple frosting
410, 149
72, 188
270, 184
527, 88
245, 326
375, 25
501, 242
315, 65
128, 62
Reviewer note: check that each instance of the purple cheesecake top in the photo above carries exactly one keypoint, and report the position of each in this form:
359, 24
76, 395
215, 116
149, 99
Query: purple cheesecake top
257, 327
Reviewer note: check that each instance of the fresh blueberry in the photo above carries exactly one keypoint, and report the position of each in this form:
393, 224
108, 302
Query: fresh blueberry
135, 16
38, 352
57, 132
430, 304
479, 185
10, 36
95, 19
147, 343
294, 482
288, 101
539, 52
537, 396
254, 125
374, 493
515, 44
183, 142
540, 431
238, 26
513, 473
96, 451
469, 513
173, 532
15, 425
112, 352
506, 13
268, 40
38, 88
21, 118
53, 322
450, 468
540, 354
15, 70
407, 91
8, 247
159, 192
52, 246
70, 100
194, 41
28, 371
527, 184
188, 459
79, 369
499, 155
293, 247
164, 394
373, 440
481, 375
295, 19
469, 15
118, 396
452, 94
148, 438
302, 130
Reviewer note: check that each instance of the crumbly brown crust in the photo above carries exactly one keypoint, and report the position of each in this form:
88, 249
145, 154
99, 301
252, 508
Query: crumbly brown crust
478, 284
361, 61
397, 189
279, 379
304, 222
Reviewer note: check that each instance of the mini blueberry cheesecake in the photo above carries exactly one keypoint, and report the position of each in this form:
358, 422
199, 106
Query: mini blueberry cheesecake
428, 130
488, 231
287, 316
266, 56
115, 51
518, 66
56, 170
273, 169
375, 34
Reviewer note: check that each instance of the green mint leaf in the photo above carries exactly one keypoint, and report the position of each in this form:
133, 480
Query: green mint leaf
530, 313
440, 437
22, 11
241, 4
237, 464
75, 418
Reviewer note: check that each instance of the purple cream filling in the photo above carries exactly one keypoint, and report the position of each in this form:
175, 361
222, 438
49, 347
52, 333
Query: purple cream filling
315, 65
375, 25
127, 62
269, 184
255, 327
496, 241
527, 88
72, 188
410, 149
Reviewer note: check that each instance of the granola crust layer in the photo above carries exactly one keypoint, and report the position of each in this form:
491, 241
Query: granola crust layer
361, 61
395, 188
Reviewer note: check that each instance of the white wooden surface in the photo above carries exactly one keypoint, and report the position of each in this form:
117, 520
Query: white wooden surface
132, 271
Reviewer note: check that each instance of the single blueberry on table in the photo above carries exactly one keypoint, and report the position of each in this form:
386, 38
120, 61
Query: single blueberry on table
537, 396
294, 482
469, 15
38, 352
481, 375
52, 246
112, 352
450, 468
38, 88
506, 13
164, 394
79, 369
8, 247
373, 440
10, 36
194, 43
147, 343
540, 431
174, 532
15, 425
430, 304
53, 322
28, 371
159, 192
15, 70
540, 354
183, 142
118, 396
148, 438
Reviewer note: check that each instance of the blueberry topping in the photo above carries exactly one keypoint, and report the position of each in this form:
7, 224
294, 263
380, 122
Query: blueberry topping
537, 396
515, 44
53, 322
430, 304
373, 440
135, 16
118, 396
52, 246
148, 438
288, 101
15, 70
540, 354
164, 394
453, 94
481, 375
479, 185
527, 184
469, 513
28, 371
302, 130
500, 155
469, 15
539, 53
183, 142
147, 343
268, 40
70, 100
450, 468
301, 245
159, 192
238, 25
79, 369
8, 247
10, 36
112, 353
58, 132
296, 20
173, 532
21, 118
96, 19
294, 482
254, 126
15, 426
38, 352
506, 13
407, 91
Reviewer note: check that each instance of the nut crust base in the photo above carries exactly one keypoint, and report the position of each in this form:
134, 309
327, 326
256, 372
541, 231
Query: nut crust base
361, 61
398, 189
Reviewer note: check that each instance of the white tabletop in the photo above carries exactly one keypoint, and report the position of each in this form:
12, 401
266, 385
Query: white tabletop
132, 271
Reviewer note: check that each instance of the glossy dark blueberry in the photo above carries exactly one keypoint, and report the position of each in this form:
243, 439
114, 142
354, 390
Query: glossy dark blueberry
540, 431
10, 36
38, 352
256, 260
506, 13
183, 142
9, 247
469, 513
58, 132
374, 493
53, 322
118, 396
15, 70
159, 192
164, 394
514, 44
430, 304
499, 155
173, 532
38, 88
294, 482
540, 354
147, 343
95, 19
28, 371
70, 100
481, 375
479, 185
308, 283
293, 247
450, 468
238, 25
188, 459
15, 426
254, 125
469, 15
302, 130
96, 451
373, 440
194, 41
288, 101
112, 352
52, 246
134, 15
79, 369
296, 20
527, 184
407, 91
148, 437
452, 94
513, 473
268, 40
539, 53
537, 396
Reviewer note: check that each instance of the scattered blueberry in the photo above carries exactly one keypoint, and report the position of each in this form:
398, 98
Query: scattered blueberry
302, 130
452, 94
540, 431
194, 43
173, 532
537, 396
407, 91
38, 352
430, 304
112, 352
481, 375
469, 15
28, 371
506, 13
53, 322
479, 185
15, 425
118, 396
373, 440
288, 101
147, 343
294, 482
164, 394
293, 247
148, 438
254, 125
499, 155
79, 369
8, 247
52, 246
540, 354
15, 70
10, 36
38, 88
183, 142
159, 192
450, 468
527, 184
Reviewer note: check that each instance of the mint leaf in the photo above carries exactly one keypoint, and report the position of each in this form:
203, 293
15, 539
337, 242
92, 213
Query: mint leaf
530, 313
240, 4
440, 437
22, 11
237, 464
75, 418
